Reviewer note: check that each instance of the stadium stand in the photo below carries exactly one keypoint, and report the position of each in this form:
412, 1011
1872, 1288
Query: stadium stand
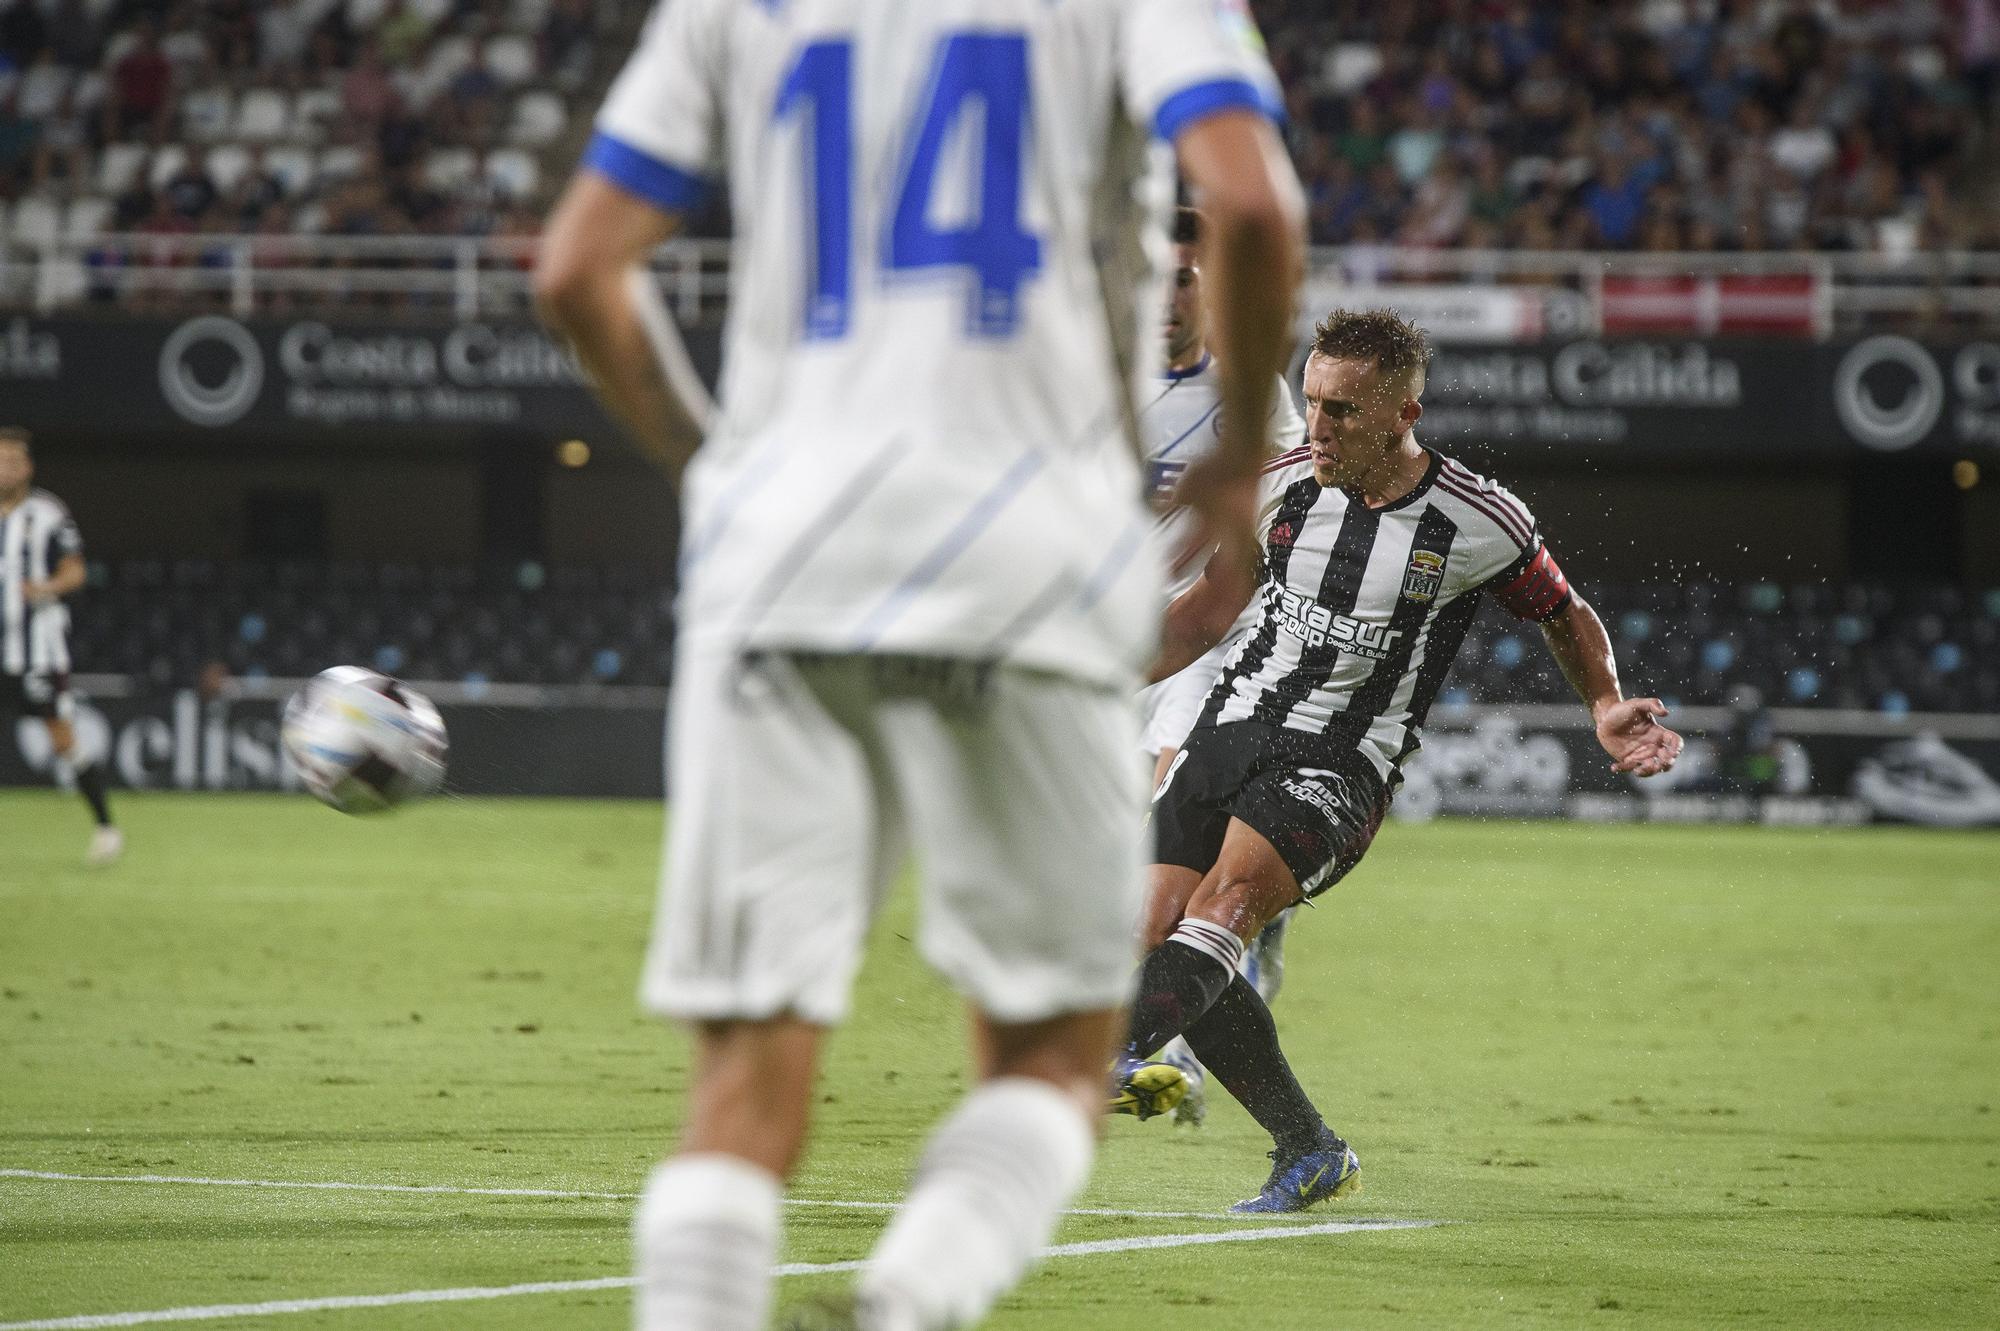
1874, 648
1660, 125
1656, 125
335, 117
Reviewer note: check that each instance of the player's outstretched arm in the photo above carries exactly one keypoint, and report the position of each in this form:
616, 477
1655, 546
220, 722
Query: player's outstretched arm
1253, 257
1628, 728
592, 289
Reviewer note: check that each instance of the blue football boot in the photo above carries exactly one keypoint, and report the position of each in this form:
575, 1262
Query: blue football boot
1326, 1169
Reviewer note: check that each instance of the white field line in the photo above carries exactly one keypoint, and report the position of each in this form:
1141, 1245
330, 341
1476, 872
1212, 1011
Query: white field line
454, 1190
277, 1307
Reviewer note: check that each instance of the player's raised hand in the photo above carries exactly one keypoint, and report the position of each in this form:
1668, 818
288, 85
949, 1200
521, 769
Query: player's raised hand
1631, 733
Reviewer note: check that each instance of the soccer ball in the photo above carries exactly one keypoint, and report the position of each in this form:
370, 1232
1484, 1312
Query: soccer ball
364, 742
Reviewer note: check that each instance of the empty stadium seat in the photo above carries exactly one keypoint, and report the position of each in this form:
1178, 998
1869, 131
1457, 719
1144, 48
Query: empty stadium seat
538, 120
119, 165
227, 165
207, 115
341, 162
87, 218
263, 116
448, 168
511, 59
513, 172
165, 162
37, 222
314, 112
293, 166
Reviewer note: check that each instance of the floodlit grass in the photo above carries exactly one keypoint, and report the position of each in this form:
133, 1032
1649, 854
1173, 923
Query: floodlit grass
1655, 1075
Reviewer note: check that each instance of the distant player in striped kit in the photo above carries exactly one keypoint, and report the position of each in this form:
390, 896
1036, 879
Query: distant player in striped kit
1375, 558
41, 561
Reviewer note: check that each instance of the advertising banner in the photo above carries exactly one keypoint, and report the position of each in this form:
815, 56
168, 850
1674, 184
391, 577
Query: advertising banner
268, 381
1735, 398
181, 741
1487, 762
264, 381
1477, 761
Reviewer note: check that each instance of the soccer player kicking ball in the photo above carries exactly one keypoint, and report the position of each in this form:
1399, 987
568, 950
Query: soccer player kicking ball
1375, 558
41, 562
917, 586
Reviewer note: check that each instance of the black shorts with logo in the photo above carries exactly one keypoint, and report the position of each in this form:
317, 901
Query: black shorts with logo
39, 694
1313, 797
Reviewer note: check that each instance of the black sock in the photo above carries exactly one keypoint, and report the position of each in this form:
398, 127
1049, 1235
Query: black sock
1237, 1041
90, 785
1176, 985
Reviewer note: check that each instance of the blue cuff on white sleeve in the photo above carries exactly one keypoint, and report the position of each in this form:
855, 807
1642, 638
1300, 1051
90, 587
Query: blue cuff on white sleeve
1202, 100
657, 182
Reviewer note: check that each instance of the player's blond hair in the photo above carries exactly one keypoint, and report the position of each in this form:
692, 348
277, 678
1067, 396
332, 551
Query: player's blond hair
1396, 346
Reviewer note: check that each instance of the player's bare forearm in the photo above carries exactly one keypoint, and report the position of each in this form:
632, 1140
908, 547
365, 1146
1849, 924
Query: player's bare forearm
1629, 729
68, 578
1201, 616
591, 290
1253, 259
1582, 650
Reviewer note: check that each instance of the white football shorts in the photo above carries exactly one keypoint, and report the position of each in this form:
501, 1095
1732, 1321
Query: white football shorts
799, 784
1169, 709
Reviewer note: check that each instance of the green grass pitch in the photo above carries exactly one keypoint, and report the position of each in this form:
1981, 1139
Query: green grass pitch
1652, 1076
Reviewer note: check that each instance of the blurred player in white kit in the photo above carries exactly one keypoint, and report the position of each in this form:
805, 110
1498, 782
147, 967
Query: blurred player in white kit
918, 576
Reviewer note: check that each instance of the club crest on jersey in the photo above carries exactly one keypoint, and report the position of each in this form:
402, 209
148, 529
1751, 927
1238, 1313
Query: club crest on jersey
1425, 576
1282, 535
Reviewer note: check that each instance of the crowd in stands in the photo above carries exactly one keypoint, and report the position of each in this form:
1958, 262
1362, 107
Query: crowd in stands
1554, 124
1695, 642
274, 117
1857, 125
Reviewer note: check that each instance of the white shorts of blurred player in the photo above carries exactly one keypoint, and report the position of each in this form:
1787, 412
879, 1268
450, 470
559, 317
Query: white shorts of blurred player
1169, 709
798, 786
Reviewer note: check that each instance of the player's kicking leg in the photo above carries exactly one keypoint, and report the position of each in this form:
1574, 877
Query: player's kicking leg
1192, 983
1202, 919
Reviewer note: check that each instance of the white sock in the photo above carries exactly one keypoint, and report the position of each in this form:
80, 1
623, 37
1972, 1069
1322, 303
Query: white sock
706, 1234
1176, 1051
989, 1189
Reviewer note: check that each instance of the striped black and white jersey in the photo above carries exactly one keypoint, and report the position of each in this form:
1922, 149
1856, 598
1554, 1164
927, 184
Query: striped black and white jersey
35, 536
1360, 611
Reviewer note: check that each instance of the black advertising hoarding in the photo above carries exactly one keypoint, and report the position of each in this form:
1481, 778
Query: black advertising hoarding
264, 381
180, 741
260, 381
1483, 761
1739, 398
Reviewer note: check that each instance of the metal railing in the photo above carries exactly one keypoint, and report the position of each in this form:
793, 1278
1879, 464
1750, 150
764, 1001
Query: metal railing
483, 277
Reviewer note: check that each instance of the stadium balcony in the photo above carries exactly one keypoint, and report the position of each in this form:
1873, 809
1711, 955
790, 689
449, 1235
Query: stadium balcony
58, 261
1855, 647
